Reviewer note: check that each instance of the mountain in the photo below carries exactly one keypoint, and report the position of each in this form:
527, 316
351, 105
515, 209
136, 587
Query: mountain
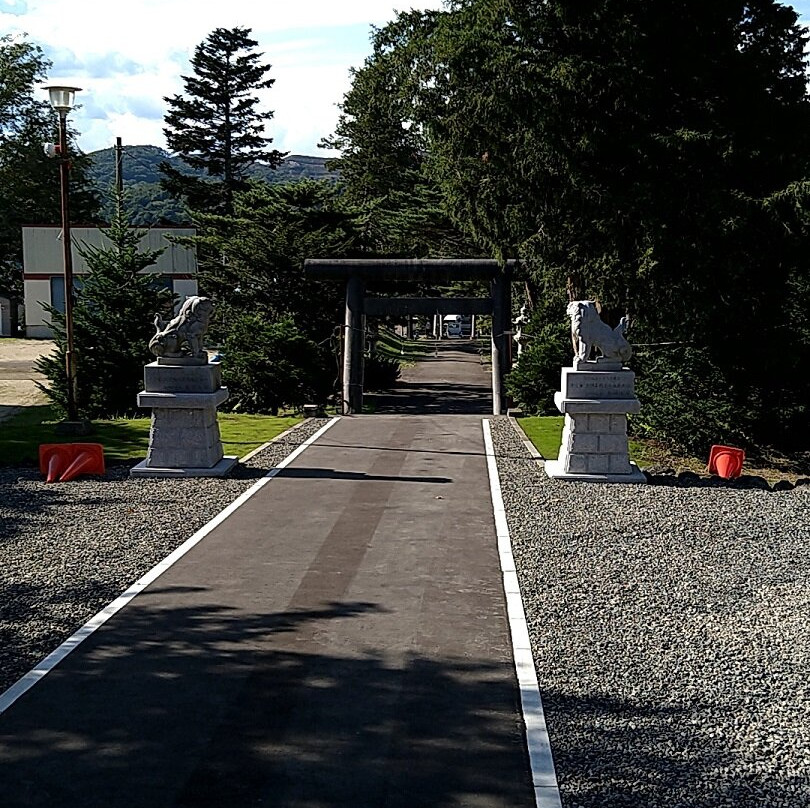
150, 205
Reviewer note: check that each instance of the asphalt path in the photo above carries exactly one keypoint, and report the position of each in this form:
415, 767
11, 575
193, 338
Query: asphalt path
340, 640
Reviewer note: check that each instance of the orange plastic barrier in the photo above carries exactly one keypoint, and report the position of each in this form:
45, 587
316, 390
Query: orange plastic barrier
726, 461
63, 462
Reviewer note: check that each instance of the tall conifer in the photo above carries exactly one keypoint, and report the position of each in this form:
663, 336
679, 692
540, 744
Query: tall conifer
217, 127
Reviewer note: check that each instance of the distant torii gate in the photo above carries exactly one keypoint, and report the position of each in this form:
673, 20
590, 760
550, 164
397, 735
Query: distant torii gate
439, 271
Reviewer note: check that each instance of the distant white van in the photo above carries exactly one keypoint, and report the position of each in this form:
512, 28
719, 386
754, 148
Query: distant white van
452, 326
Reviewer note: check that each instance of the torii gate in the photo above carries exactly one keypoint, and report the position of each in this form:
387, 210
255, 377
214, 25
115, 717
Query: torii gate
438, 271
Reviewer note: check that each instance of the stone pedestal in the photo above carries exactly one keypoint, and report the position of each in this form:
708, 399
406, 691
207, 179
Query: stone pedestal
184, 438
596, 398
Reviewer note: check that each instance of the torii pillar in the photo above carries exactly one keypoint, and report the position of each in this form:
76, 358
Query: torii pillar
501, 336
353, 346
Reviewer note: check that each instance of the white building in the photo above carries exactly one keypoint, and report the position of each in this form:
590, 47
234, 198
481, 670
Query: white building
44, 274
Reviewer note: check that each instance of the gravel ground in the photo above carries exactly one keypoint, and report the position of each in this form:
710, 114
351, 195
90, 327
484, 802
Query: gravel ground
670, 623
671, 635
68, 549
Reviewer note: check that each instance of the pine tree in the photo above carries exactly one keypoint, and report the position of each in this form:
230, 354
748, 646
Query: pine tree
216, 127
112, 324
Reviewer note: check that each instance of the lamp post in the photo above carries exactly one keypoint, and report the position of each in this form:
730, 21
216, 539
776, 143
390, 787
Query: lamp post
62, 99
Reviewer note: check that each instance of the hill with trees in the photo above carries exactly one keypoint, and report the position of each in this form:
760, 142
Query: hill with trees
149, 204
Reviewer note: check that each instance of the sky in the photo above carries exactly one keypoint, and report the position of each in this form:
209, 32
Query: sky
127, 56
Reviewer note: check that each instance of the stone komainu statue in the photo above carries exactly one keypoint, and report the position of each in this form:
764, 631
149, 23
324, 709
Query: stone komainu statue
588, 331
182, 335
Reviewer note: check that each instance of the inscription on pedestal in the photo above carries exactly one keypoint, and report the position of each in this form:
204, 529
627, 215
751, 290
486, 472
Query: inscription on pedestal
581, 384
159, 378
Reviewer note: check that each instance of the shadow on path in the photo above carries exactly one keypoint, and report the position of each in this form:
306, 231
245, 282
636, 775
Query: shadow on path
207, 706
451, 383
334, 474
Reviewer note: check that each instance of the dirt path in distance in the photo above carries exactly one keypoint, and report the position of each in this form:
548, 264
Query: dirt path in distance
17, 375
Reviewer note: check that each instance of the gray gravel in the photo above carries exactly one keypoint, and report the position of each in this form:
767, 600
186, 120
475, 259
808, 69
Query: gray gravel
68, 549
670, 624
671, 635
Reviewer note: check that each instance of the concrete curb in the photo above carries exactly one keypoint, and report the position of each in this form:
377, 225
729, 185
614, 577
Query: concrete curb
277, 438
530, 448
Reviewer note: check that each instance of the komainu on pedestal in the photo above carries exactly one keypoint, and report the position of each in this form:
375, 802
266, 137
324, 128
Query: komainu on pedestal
183, 390
596, 395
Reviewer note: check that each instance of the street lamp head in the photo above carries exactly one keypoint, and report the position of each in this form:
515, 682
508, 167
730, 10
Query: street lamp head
62, 98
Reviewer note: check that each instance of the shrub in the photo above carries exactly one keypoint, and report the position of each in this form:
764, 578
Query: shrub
380, 372
687, 402
113, 320
533, 382
271, 365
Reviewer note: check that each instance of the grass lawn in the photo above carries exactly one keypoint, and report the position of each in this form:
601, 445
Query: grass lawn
407, 351
545, 432
125, 438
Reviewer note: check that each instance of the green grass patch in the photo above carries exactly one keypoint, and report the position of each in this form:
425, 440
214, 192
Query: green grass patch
545, 432
406, 351
126, 438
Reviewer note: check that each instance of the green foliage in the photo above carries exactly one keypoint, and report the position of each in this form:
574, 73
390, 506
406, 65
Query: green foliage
216, 126
141, 164
534, 380
380, 372
686, 402
29, 180
272, 365
383, 148
260, 252
652, 155
150, 204
112, 324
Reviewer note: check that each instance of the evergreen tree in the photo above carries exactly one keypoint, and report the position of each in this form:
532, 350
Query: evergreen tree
29, 180
262, 249
216, 127
383, 147
653, 155
112, 324
260, 286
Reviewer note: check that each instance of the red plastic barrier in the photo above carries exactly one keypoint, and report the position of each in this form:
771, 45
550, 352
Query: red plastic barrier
726, 461
66, 461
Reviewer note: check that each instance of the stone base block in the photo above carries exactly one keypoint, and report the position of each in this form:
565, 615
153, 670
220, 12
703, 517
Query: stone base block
188, 401
184, 438
554, 469
159, 378
221, 469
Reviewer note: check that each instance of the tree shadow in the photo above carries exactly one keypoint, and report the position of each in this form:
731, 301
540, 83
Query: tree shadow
353, 476
434, 398
210, 706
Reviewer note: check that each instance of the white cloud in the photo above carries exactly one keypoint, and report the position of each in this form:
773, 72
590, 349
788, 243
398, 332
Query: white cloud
127, 62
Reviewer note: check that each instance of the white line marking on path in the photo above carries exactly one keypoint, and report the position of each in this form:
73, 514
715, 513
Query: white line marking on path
24, 684
544, 778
